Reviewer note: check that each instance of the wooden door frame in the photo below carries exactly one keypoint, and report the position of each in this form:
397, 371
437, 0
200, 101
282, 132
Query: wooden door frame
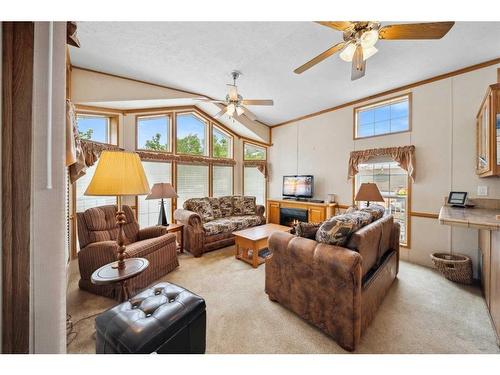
17, 100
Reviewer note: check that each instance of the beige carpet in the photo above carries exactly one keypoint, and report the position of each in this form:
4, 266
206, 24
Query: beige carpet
422, 313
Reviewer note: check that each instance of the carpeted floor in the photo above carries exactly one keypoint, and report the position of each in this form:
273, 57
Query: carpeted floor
422, 313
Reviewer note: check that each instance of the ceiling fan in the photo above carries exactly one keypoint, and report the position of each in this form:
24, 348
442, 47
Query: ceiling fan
234, 102
360, 38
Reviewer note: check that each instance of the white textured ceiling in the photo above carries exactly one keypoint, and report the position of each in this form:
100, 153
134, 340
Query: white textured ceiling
198, 57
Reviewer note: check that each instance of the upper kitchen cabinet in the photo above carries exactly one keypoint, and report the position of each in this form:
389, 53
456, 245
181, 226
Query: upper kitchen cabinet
488, 134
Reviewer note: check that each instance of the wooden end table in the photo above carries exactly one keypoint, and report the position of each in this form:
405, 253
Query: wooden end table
110, 274
177, 228
255, 239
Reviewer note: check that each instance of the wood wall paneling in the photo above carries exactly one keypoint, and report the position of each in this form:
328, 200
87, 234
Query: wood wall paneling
17, 87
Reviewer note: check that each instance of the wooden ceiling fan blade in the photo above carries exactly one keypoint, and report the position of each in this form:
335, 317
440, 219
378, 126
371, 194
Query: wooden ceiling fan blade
330, 51
358, 64
257, 102
219, 114
249, 114
428, 30
207, 100
337, 25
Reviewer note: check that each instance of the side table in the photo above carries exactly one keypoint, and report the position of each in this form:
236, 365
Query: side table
177, 228
110, 274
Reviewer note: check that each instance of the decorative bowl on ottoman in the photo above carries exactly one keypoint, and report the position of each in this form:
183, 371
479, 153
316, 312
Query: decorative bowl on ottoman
163, 319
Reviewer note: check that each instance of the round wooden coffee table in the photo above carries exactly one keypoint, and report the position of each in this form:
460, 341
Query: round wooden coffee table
110, 274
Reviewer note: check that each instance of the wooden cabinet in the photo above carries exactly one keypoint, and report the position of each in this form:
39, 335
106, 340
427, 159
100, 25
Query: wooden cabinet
488, 134
489, 253
316, 212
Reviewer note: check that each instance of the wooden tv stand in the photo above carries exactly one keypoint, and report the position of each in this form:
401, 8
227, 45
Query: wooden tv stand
316, 211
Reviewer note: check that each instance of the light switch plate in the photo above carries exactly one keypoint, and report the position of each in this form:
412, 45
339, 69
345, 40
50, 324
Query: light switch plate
482, 190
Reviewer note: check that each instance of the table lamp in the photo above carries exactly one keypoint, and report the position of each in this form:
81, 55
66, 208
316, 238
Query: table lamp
119, 173
368, 192
162, 190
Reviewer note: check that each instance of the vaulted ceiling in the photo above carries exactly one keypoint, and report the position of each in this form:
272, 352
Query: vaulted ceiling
198, 57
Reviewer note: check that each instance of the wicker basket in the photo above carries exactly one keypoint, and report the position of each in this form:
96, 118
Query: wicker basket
454, 267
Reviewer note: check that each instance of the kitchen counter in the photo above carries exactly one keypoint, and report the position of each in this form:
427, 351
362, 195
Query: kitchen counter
478, 218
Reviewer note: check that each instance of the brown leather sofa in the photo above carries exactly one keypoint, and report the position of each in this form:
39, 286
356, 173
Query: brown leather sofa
338, 289
97, 233
209, 223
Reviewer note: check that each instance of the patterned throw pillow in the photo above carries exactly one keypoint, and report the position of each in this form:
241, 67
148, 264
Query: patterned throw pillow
226, 206
238, 205
215, 204
201, 206
351, 209
306, 230
249, 206
338, 229
375, 210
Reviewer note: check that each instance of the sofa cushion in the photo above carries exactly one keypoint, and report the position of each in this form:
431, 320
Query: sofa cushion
338, 229
307, 230
226, 205
201, 206
215, 204
101, 224
222, 225
247, 221
249, 206
238, 205
375, 210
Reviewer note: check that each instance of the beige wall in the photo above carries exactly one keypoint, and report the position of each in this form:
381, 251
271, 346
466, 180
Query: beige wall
444, 136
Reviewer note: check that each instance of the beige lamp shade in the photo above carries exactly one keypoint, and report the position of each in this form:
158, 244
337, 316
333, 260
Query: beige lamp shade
162, 190
118, 173
369, 192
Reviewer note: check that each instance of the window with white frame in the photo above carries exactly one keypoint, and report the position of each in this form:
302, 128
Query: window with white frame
389, 116
153, 133
192, 182
392, 182
222, 180
254, 184
149, 209
94, 127
84, 202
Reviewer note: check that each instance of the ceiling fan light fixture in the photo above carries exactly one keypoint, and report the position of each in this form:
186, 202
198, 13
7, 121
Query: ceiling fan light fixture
230, 109
369, 52
348, 52
239, 110
369, 39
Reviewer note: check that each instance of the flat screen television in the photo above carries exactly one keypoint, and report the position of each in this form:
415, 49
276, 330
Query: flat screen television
298, 186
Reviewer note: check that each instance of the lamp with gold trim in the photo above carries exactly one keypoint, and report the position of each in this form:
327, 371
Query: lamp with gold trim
119, 173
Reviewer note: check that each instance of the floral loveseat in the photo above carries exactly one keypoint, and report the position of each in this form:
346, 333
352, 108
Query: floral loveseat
209, 223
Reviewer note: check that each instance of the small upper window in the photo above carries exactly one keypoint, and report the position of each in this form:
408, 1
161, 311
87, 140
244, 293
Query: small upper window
153, 133
254, 152
389, 116
93, 128
191, 135
222, 146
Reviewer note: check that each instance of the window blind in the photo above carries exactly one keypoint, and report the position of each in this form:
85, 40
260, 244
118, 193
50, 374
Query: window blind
149, 210
192, 182
254, 184
84, 202
222, 181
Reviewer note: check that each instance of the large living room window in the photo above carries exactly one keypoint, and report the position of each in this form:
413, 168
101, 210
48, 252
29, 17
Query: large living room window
254, 184
95, 128
393, 184
386, 117
222, 143
84, 202
192, 182
148, 210
222, 180
153, 133
191, 134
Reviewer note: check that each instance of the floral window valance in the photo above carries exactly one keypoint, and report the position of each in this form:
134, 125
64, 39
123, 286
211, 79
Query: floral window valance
404, 156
